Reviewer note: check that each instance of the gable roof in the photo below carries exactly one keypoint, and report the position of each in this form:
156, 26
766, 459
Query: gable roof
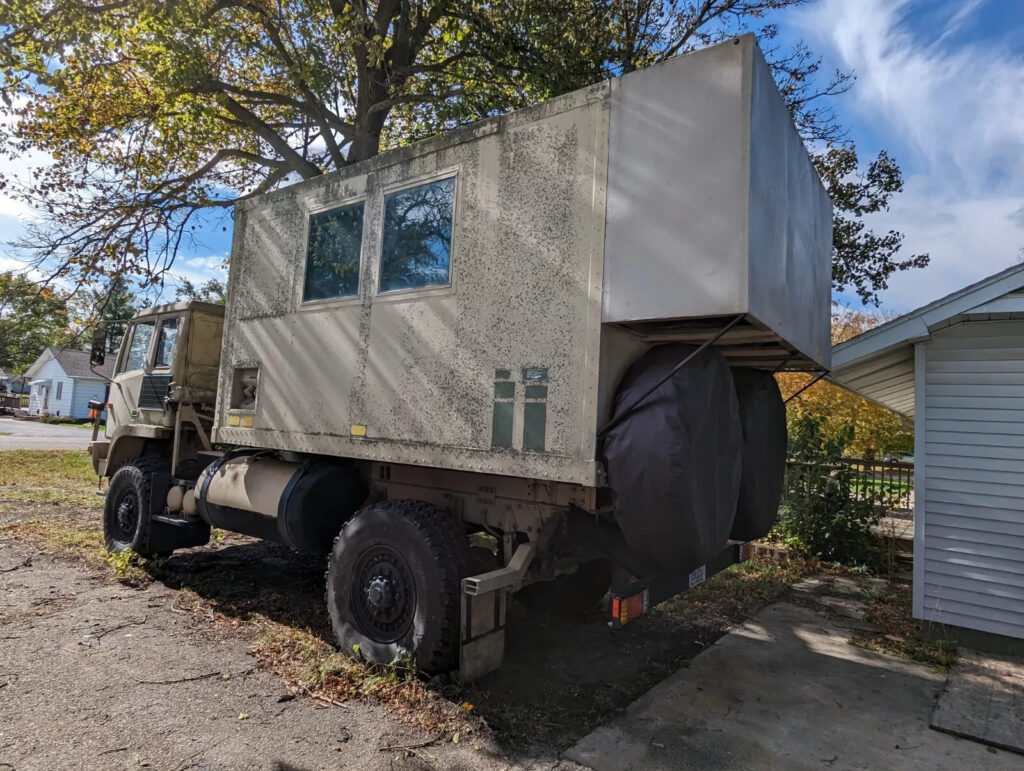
879, 364
74, 363
918, 324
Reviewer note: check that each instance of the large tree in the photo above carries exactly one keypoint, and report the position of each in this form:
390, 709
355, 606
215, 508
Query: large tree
869, 429
32, 318
157, 114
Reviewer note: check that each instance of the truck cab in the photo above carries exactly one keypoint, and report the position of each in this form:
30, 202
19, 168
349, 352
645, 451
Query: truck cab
164, 386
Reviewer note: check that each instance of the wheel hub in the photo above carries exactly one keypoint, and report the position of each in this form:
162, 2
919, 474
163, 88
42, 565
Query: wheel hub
383, 594
127, 517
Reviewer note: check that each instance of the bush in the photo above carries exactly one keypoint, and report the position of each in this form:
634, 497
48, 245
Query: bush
63, 420
825, 513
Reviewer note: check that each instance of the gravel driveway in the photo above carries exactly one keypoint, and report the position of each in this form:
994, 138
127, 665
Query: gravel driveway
33, 435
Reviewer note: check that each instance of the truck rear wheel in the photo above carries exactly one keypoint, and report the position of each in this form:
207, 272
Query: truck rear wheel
394, 582
572, 595
126, 517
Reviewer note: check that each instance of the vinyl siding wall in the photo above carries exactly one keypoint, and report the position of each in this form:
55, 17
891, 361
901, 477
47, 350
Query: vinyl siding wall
52, 371
971, 513
86, 389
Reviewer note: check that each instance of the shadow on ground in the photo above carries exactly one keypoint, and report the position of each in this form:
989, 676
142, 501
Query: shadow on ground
561, 676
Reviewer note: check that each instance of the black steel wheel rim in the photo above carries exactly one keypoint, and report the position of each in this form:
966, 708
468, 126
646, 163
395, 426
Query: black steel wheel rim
126, 516
383, 596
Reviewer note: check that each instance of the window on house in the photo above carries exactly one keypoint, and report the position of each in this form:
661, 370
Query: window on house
332, 254
416, 248
60, 390
138, 346
167, 342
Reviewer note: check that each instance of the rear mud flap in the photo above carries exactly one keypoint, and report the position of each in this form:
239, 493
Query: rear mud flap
482, 633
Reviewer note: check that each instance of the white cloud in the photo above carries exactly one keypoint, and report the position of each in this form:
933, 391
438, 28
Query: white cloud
953, 113
214, 265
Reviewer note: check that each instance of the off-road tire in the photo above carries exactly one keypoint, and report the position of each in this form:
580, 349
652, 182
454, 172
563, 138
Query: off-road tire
574, 594
125, 529
409, 552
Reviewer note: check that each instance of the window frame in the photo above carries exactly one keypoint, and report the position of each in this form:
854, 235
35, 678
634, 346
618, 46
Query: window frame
180, 318
325, 208
122, 361
395, 295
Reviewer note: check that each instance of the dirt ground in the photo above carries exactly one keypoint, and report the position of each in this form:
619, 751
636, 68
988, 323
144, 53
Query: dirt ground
99, 674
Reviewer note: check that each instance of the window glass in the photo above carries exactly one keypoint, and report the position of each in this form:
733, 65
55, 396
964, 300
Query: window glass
167, 342
141, 334
60, 390
417, 240
332, 256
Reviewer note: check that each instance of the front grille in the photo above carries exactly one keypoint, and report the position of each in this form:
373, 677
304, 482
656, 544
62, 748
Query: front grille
154, 391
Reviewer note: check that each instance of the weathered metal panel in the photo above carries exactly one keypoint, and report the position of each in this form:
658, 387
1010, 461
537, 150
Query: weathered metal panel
416, 370
714, 206
970, 503
409, 376
789, 231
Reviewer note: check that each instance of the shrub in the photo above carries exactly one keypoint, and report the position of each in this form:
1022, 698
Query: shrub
825, 512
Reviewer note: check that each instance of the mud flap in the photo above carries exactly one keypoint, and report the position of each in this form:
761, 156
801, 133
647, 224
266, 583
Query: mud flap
482, 633
167, 533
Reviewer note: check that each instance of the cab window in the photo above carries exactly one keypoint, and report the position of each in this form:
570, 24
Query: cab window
167, 342
138, 346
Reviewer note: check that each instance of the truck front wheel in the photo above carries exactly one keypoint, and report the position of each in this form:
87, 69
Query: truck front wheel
393, 585
126, 518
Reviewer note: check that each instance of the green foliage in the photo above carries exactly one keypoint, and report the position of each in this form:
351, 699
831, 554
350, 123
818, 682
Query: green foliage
876, 431
110, 305
121, 561
32, 318
863, 259
210, 291
826, 513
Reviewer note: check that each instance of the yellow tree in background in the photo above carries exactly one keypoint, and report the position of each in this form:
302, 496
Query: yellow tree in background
877, 431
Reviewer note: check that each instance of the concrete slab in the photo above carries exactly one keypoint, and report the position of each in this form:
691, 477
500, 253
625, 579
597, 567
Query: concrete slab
984, 701
786, 690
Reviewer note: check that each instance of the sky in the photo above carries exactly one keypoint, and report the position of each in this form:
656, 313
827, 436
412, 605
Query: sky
939, 84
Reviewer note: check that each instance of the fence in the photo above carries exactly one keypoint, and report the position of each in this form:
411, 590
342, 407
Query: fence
891, 483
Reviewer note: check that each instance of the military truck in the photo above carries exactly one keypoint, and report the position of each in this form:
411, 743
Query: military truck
534, 355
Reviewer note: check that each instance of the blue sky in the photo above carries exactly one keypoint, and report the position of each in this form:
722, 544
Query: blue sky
939, 84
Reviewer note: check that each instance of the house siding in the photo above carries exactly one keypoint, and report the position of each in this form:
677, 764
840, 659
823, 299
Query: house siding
75, 393
970, 499
86, 389
38, 405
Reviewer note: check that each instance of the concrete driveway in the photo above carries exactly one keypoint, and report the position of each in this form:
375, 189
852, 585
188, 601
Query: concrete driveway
786, 690
33, 435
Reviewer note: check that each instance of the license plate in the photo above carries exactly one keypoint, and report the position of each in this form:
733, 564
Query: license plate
698, 576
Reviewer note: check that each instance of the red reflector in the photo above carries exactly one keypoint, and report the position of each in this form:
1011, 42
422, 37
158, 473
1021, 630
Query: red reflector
625, 609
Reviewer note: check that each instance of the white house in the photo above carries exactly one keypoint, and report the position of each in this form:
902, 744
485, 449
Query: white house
62, 383
957, 367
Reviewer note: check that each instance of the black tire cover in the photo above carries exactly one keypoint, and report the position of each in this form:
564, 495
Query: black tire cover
763, 417
674, 462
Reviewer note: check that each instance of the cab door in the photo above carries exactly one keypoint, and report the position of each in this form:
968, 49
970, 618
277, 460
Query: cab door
143, 373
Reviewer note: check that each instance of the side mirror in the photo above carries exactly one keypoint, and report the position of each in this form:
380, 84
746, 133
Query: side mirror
98, 354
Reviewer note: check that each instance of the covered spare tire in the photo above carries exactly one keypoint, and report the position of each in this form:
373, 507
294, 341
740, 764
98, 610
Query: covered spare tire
763, 417
674, 461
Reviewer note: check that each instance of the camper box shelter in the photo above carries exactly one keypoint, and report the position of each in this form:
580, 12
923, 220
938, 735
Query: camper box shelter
61, 383
472, 301
957, 367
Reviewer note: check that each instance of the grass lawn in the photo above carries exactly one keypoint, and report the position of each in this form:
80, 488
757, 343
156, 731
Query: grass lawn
59, 477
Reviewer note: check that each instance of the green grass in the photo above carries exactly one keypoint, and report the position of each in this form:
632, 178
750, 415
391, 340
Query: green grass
70, 469
61, 477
